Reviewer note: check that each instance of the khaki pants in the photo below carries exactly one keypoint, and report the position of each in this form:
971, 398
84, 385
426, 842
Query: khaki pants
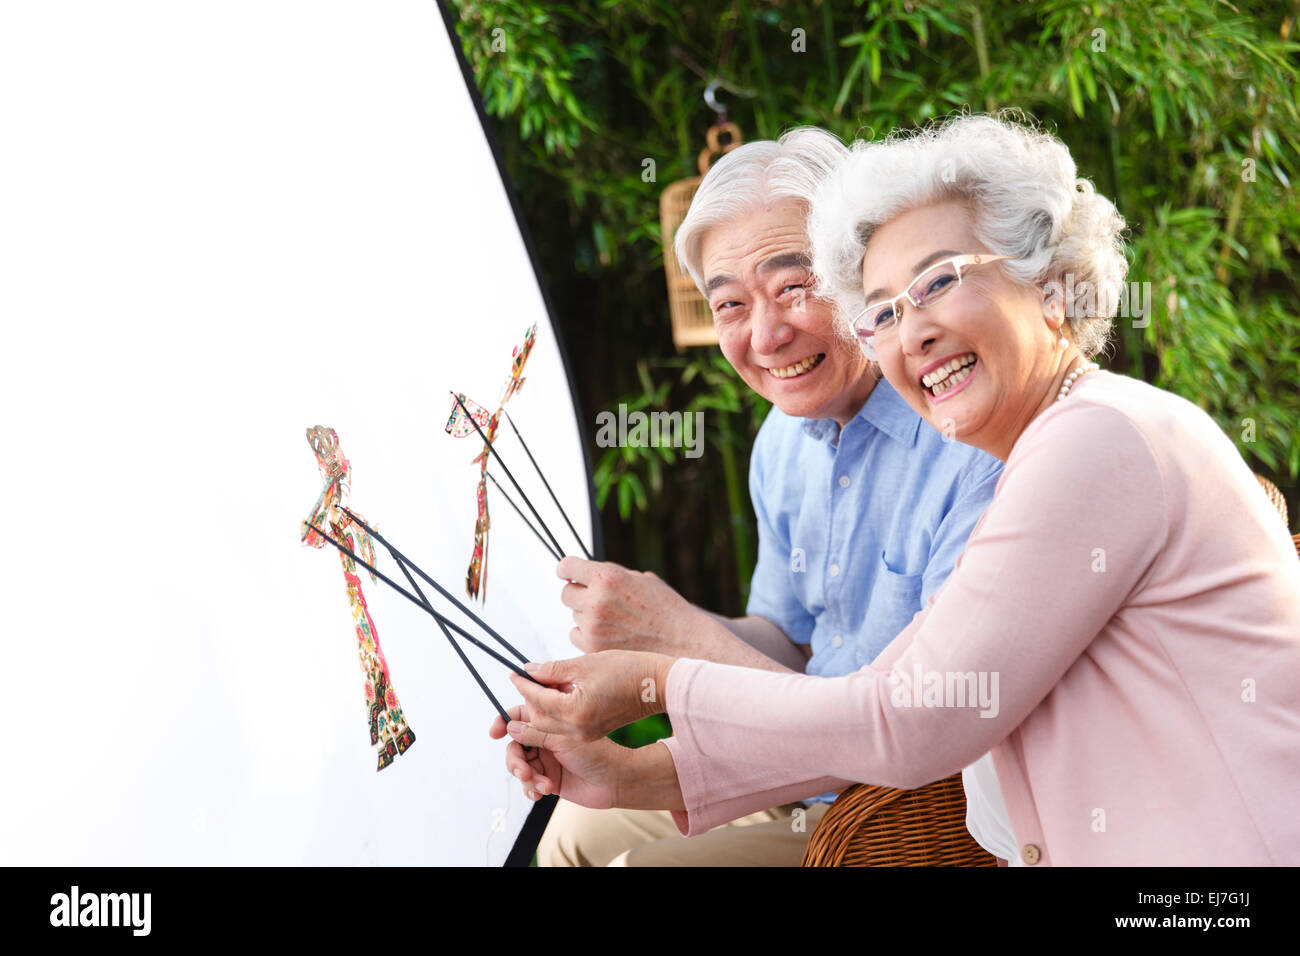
577, 836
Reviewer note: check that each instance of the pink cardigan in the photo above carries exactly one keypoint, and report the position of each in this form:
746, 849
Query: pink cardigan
1133, 598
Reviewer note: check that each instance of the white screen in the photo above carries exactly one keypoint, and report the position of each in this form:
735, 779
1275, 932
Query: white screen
220, 223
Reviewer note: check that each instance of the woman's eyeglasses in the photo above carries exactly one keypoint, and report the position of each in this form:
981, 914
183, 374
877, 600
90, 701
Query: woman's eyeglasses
925, 290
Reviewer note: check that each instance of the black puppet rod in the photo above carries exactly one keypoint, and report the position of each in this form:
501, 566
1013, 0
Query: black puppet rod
445, 623
550, 549
555, 543
547, 484
401, 558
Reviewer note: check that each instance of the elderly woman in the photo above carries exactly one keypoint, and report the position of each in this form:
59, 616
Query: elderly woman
1121, 634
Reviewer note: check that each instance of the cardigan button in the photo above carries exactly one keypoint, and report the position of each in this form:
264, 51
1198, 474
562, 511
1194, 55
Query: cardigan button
1030, 854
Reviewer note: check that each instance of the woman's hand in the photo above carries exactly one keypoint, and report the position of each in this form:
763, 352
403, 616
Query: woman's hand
587, 774
587, 697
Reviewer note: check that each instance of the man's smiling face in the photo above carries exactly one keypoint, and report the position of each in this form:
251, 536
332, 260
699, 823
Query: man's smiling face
775, 333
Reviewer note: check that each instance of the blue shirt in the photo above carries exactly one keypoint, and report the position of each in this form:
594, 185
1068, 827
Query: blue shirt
858, 526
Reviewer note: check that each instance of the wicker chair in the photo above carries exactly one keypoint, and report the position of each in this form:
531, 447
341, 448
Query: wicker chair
1275, 496
882, 826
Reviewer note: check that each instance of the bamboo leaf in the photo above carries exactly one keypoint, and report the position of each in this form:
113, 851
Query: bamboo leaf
1076, 99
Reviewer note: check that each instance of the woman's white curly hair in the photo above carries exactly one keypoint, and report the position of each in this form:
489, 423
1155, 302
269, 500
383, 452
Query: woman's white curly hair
1026, 199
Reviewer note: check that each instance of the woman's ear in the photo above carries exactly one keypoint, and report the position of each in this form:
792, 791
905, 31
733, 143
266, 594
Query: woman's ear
1053, 305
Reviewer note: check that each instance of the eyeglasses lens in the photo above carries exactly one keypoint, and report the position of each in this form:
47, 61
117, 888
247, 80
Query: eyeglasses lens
934, 284
929, 287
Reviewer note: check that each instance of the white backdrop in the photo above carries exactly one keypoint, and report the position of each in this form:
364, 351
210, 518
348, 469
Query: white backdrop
222, 222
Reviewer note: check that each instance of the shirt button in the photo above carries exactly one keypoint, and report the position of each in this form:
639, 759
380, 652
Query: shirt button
834, 570
837, 641
844, 481
1030, 854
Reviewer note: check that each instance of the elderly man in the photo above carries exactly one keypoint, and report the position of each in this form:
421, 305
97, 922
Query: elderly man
862, 508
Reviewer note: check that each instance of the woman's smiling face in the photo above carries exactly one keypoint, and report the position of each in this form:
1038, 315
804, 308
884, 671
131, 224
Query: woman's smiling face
990, 335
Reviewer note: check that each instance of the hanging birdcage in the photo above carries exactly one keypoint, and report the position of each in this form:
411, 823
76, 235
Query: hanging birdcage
691, 317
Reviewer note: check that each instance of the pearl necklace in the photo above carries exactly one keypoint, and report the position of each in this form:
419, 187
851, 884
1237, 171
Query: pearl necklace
1075, 375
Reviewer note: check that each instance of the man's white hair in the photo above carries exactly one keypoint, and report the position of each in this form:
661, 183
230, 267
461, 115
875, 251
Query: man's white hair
752, 176
1026, 199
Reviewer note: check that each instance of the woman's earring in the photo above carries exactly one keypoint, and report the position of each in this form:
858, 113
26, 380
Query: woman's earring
1064, 342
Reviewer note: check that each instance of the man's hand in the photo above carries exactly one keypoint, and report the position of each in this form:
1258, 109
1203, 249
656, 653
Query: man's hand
619, 609
587, 697
587, 774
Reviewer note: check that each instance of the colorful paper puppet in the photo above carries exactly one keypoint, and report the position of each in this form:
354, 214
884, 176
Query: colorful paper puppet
388, 729
458, 426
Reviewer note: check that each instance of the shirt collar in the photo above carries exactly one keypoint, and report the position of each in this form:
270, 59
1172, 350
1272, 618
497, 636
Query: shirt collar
884, 410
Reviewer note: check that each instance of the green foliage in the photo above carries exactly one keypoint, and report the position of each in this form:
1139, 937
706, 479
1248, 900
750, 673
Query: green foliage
642, 732
732, 412
1184, 113
533, 71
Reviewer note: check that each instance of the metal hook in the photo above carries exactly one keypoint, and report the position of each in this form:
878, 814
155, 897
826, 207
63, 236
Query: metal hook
712, 100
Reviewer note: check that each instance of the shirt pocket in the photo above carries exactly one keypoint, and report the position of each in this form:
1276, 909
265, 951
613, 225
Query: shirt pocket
895, 599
